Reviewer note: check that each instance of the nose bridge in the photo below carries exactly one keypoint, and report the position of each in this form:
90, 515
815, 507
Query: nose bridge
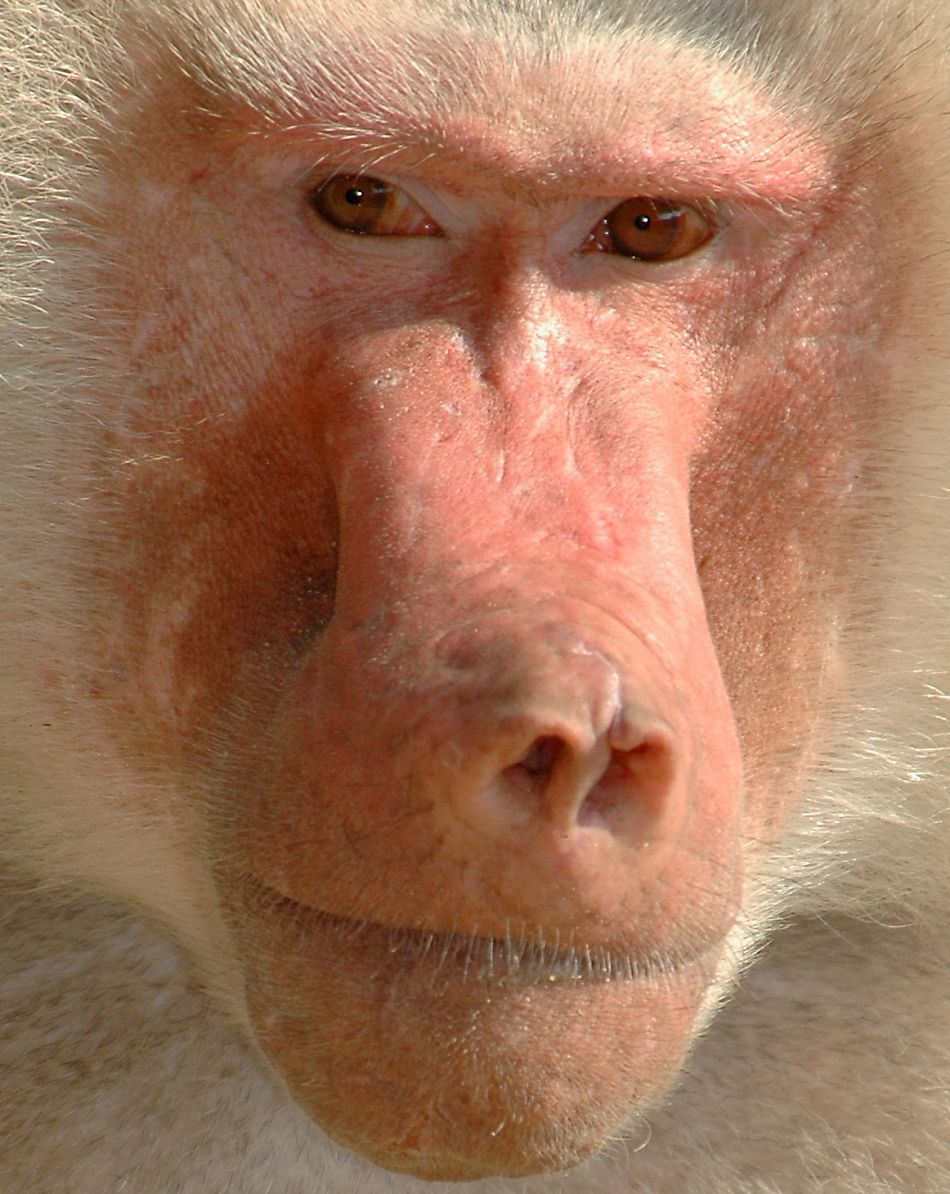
488, 432
503, 405
523, 342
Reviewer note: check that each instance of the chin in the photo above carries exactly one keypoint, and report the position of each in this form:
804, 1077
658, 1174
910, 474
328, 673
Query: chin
456, 1057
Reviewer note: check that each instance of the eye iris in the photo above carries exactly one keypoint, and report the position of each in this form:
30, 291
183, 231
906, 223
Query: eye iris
361, 205
655, 230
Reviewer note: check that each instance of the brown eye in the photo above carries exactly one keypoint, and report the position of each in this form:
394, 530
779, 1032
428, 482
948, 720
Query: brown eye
370, 207
651, 230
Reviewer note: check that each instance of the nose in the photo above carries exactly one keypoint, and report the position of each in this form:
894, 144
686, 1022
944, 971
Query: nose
557, 729
537, 730
533, 765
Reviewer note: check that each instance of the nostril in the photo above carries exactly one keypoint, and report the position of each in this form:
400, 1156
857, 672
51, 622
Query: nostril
633, 788
531, 776
621, 783
542, 757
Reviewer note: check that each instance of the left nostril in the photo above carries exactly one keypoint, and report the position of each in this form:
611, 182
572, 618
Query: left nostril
542, 756
537, 766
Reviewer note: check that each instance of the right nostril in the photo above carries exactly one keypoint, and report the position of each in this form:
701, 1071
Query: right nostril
634, 788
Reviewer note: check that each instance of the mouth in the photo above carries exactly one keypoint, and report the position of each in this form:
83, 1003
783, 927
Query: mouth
412, 1045
522, 956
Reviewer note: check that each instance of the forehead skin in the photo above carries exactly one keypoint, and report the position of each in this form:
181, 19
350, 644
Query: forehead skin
579, 112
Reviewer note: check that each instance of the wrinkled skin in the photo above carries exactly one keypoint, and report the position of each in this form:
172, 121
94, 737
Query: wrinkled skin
480, 587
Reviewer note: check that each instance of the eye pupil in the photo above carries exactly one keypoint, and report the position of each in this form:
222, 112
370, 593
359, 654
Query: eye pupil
355, 196
642, 222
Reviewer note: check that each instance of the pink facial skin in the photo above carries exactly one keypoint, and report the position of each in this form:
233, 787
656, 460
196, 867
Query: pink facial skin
458, 578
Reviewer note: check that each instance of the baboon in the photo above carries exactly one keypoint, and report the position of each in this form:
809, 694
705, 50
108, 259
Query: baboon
474, 543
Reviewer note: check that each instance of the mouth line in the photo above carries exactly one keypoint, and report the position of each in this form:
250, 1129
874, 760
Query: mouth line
521, 958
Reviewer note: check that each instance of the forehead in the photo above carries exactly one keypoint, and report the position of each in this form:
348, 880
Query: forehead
267, 44
576, 94
405, 54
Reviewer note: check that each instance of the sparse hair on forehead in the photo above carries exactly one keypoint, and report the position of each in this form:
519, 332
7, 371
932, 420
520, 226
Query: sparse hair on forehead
276, 55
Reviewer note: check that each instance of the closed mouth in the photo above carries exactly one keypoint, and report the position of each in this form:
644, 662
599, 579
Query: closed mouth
525, 956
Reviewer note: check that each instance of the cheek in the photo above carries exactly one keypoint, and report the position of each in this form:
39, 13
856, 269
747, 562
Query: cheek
229, 573
223, 526
777, 506
779, 491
